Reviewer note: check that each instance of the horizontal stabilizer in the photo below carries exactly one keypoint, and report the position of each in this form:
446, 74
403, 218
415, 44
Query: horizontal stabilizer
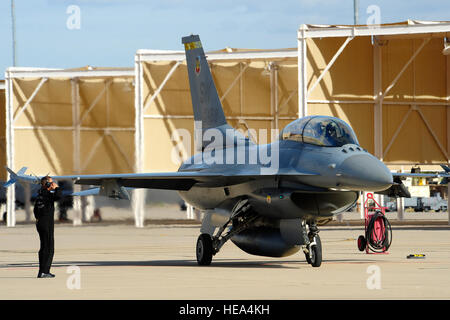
89, 192
19, 176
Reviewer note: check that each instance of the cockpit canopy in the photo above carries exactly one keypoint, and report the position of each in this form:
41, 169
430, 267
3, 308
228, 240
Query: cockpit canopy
321, 131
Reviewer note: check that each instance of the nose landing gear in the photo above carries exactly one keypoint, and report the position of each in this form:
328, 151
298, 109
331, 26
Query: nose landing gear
313, 249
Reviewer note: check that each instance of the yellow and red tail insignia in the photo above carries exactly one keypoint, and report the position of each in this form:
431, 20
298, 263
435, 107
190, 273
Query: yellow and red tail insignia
197, 66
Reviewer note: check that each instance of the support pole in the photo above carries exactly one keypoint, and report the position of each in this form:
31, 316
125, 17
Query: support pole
77, 206
362, 201
138, 195
27, 201
11, 207
302, 76
448, 129
356, 12
189, 212
274, 94
137, 203
13, 33
87, 206
378, 97
10, 192
448, 203
400, 208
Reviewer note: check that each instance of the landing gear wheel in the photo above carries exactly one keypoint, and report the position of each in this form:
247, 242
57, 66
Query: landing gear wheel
314, 258
204, 250
362, 242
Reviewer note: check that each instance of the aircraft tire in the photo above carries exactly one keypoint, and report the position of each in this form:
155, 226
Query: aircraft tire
204, 249
316, 258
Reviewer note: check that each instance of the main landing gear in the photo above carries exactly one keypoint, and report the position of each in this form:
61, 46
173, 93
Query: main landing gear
208, 246
243, 217
313, 247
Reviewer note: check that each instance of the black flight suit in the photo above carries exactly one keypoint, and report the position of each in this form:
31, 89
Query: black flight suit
44, 209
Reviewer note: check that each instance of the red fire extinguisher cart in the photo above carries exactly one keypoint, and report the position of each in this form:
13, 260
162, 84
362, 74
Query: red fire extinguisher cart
377, 237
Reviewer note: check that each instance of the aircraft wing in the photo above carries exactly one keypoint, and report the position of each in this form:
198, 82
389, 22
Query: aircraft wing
116, 185
421, 175
398, 189
443, 174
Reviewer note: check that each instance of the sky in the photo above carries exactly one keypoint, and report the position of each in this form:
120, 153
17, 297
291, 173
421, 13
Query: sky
107, 33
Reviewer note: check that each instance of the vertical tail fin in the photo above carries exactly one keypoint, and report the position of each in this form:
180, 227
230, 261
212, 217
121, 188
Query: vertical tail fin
205, 100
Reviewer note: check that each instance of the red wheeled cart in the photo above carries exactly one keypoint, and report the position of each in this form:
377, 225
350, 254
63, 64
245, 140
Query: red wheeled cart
378, 231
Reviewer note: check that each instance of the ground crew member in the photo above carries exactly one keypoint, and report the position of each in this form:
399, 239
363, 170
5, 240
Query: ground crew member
44, 209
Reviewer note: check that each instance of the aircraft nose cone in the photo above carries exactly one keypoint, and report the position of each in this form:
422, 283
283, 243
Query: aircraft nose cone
364, 172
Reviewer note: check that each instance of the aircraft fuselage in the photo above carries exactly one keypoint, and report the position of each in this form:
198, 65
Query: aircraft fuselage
336, 175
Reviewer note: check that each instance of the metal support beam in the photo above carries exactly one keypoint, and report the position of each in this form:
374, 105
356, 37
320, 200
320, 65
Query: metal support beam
137, 203
330, 64
448, 129
241, 90
362, 199
448, 203
120, 149
355, 12
302, 75
245, 118
274, 94
138, 194
13, 33
430, 129
30, 99
87, 206
76, 210
76, 124
10, 192
424, 42
393, 103
27, 201
92, 152
114, 129
379, 95
399, 128
378, 105
161, 86
77, 218
238, 78
94, 103
189, 212
400, 208
285, 103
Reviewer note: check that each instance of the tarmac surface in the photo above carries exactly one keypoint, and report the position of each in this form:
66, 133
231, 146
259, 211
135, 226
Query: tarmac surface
115, 260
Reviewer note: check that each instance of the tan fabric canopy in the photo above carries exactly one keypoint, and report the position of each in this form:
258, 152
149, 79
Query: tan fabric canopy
390, 82
258, 91
81, 123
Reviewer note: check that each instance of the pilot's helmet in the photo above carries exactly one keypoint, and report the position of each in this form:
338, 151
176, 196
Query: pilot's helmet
331, 130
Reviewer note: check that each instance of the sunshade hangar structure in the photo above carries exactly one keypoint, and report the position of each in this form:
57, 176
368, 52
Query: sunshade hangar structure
388, 81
